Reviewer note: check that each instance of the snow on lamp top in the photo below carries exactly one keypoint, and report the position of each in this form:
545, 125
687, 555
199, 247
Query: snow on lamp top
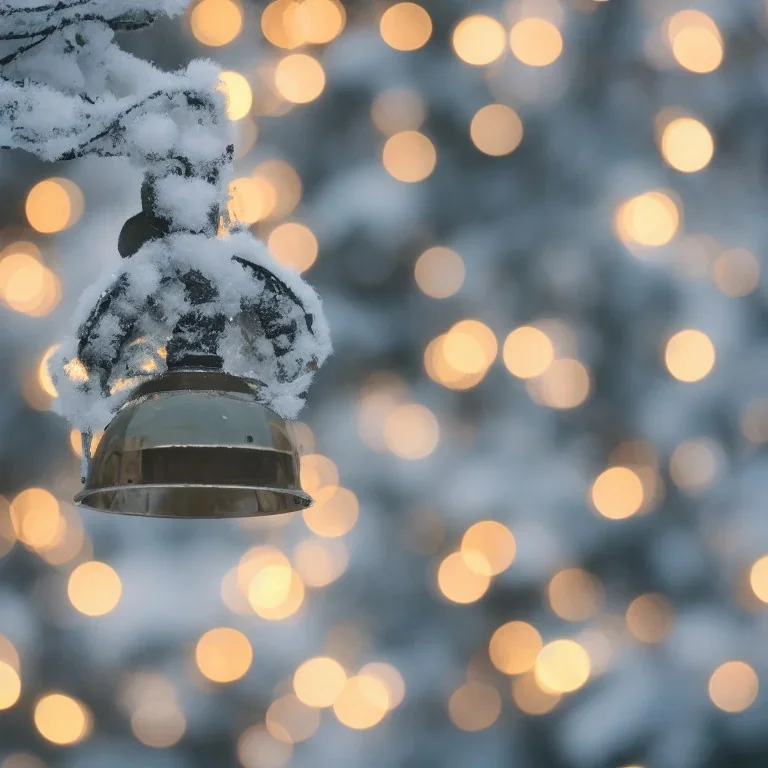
186, 296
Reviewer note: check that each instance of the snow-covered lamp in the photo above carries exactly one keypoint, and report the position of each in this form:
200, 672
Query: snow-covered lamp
200, 345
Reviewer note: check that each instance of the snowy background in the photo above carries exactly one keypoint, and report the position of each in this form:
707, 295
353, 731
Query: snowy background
538, 450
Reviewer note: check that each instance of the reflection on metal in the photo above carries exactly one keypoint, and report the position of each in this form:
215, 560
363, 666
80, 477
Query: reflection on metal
195, 444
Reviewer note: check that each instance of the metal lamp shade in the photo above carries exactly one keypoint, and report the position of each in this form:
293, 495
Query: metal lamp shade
195, 444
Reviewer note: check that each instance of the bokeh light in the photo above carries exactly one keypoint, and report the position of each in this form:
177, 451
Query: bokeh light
156, 718
237, 91
531, 698
362, 703
758, 578
26, 284
391, 678
474, 706
697, 44
299, 78
527, 352
405, 26
479, 40
257, 748
317, 472
216, 22
689, 355
694, 464
94, 588
496, 129
617, 493
439, 272
514, 646
409, 156
398, 109
62, 719
736, 272
565, 384
36, 518
334, 512
458, 582
536, 42
733, 686
10, 685
318, 682
290, 720
574, 594
562, 666
223, 655
651, 219
251, 199
53, 205
411, 431
282, 184
488, 547
293, 245
320, 563
650, 617
687, 144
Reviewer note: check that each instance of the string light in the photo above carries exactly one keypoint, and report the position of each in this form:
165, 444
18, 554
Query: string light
409, 156
334, 512
651, 219
62, 719
318, 682
736, 272
696, 42
362, 703
223, 655
531, 698
687, 144
299, 78
649, 618
474, 706
411, 431
398, 109
293, 245
439, 272
94, 588
316, 21
496, 130
36, 518
390, 677
733, 686
617, 493
488, 546
53, 205
694, 464
479, 40
562, 666
320, 563
27, 285
536, 42
758, 578
405, 26
257, 748
514, 646
690, 355
289, 720
216, 22
238, 93
565, 384
528, 352
460, 583
10, 685
574, 594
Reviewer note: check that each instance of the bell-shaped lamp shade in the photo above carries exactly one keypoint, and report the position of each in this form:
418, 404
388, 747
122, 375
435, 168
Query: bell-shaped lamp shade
195, 444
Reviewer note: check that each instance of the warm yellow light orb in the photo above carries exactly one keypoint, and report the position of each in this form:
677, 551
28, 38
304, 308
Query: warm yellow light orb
690, 355
10, 685
216, 22
293, 245
496, 130
562, 666
223, 655
687, 144
318, 682
409, 156
334, 512
94, 588
439, 272
617, 493
574, 594
238, 93
649, 618
405, 26
299, 78
488, 546
651, 219
733, 686
479, 40
61, 719
53, 205
460, 583
528, 352
363, 702
736, 272
411, 431
474, 706
696, 42
758, 578
536, 42
514, 646
36, 518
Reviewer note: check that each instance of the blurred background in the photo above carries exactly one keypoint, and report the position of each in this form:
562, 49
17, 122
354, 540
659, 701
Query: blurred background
538, 452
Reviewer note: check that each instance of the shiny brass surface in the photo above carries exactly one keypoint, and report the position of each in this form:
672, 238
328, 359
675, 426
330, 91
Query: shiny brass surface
195, 444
